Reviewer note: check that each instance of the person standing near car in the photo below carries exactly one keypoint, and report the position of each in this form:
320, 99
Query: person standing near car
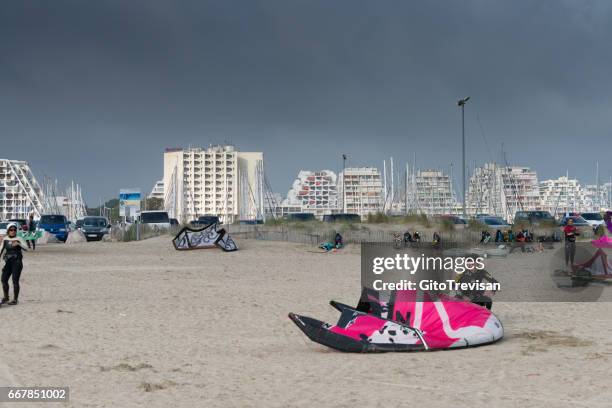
570, 232
32, 232
12, 247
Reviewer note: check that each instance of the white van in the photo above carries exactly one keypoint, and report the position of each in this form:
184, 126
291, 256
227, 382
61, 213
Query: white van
155, 219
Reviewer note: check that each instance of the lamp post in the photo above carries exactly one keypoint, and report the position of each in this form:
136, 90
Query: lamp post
461, 103
343, 184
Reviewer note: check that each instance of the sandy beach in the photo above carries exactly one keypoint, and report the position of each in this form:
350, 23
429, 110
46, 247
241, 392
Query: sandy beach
140, 324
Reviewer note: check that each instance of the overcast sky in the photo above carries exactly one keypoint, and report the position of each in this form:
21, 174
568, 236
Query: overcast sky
94, 91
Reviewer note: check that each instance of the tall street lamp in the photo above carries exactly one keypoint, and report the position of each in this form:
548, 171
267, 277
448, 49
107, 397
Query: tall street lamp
461, 103
343, 184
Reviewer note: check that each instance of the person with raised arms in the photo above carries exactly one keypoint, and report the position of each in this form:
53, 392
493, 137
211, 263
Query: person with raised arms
12, 247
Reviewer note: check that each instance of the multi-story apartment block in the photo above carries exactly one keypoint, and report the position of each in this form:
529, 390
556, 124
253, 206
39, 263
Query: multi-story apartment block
598, 197
158, 190
20, 193
315, 192
430, 192
503, 190
363, 191
562, 195
217, 181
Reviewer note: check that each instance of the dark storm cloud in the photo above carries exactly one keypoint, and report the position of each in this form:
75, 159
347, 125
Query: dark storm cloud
95, 90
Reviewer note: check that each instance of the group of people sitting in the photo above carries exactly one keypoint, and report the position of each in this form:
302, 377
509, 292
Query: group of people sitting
507, 236
415, 237
337, 244
518, 240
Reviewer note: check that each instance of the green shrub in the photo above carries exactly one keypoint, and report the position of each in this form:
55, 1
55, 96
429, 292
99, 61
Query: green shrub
419, 219
145, 233
275, 221
475, 225
378, 218
446, 225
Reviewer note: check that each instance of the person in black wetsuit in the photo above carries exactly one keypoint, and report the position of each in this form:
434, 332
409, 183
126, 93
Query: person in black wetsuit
407, 238
338, 241
12, 247
32, 231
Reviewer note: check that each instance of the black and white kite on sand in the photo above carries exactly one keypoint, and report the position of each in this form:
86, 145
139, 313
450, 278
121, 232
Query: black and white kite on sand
210, 236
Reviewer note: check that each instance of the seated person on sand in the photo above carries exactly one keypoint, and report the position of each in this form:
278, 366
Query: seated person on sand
480, 297
485, 237
338, 241
436, 241
520, 242
407, 237
327, 246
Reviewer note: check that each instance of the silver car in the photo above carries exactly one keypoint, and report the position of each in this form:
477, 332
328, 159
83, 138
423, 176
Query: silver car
495, 223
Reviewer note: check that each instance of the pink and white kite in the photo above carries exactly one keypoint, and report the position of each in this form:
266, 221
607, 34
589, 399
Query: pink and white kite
409, 321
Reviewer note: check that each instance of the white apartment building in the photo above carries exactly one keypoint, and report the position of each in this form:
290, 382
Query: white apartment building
158, 190
20, 193
363, 191
562, 195
503, 190
283, 209
315, 192
218, 180
430, 192
598, 198
272, 202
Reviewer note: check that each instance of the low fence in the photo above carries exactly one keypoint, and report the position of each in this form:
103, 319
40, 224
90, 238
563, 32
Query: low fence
350, 236
316, 235
137, 232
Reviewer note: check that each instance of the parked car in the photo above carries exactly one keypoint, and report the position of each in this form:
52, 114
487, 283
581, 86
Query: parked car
79, 223
174, 222
594, 219
55, 224
534, 217
94, 228
155, 219
455, 219
23, 224
493, 222
578, 221
300, 217
257, 221
341, 218
208, 219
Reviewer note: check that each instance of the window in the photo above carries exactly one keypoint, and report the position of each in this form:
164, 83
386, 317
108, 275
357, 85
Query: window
53, 219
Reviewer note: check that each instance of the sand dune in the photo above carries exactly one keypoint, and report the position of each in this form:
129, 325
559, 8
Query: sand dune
140, 324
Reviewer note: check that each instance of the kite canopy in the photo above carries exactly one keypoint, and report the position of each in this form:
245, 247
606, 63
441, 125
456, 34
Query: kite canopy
30, 235
210, 236
410, 321
603, 242
598, 266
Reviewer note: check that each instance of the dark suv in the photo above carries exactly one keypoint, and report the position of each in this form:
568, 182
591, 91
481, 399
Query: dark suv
534, 217
341, 218
94, 228
205, 220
